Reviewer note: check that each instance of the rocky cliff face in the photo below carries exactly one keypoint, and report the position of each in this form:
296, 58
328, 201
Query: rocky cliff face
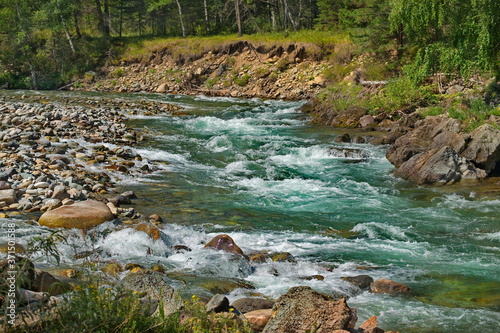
239, 69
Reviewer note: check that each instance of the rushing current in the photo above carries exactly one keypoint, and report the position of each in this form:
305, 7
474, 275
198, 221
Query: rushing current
260, 172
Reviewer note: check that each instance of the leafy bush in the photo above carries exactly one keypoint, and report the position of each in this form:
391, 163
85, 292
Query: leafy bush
400, 94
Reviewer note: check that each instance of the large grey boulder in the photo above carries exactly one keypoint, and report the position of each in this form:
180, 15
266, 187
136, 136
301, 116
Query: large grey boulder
484, 147
435, 131
155, 287
440, 166
302, 310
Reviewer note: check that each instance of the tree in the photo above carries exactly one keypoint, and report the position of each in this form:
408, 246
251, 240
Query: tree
451, 36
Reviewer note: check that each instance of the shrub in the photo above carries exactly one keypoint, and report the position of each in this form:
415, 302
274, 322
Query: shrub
241, 81
118, 72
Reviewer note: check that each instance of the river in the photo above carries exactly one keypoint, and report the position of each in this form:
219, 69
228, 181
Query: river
258, 171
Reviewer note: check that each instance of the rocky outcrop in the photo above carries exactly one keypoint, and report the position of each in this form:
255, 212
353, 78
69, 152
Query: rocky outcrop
484, 147
437, 151
438, 166
302, 310
82, 215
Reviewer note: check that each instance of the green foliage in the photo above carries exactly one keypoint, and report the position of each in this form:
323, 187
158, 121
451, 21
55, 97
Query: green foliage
242, 81
453, 36
431, 111
342, 96
400, 94
473, 113
99, 308
45, 246
118, 72
199, 321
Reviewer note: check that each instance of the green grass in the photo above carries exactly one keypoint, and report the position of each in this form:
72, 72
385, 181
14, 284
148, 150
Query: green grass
473, 113
318, 42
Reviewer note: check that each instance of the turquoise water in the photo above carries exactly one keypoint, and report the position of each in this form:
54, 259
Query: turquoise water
259, 172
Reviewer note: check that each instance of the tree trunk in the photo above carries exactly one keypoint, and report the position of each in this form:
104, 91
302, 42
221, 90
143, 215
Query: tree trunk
272, 11
181, 18
121, 19
207, 22
68, 36
107, 18
100, 17
77, 25
238, 17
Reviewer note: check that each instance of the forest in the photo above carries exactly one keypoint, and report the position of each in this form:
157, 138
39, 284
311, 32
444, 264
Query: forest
46, 43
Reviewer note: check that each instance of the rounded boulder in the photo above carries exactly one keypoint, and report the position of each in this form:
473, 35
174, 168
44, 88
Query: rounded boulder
81, 215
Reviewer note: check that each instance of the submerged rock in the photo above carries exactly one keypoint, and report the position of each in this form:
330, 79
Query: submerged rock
302, 309
225, 243
361, 281
385, 286
81, 215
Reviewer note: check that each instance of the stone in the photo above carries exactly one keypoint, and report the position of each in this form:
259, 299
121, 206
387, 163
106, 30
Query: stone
342, 138
162, 88
483, 148
225, 243
438, 166
45, 282
149, 229
370, 325
113, 268
361, 281
153, 284
8, 196
422, 137
249, 304
282, 257
119, 200
218, 303
302, 310
112, 208
155, 219
258, 319
367, 121
25, 296
81, 215
385, 286
60, 192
